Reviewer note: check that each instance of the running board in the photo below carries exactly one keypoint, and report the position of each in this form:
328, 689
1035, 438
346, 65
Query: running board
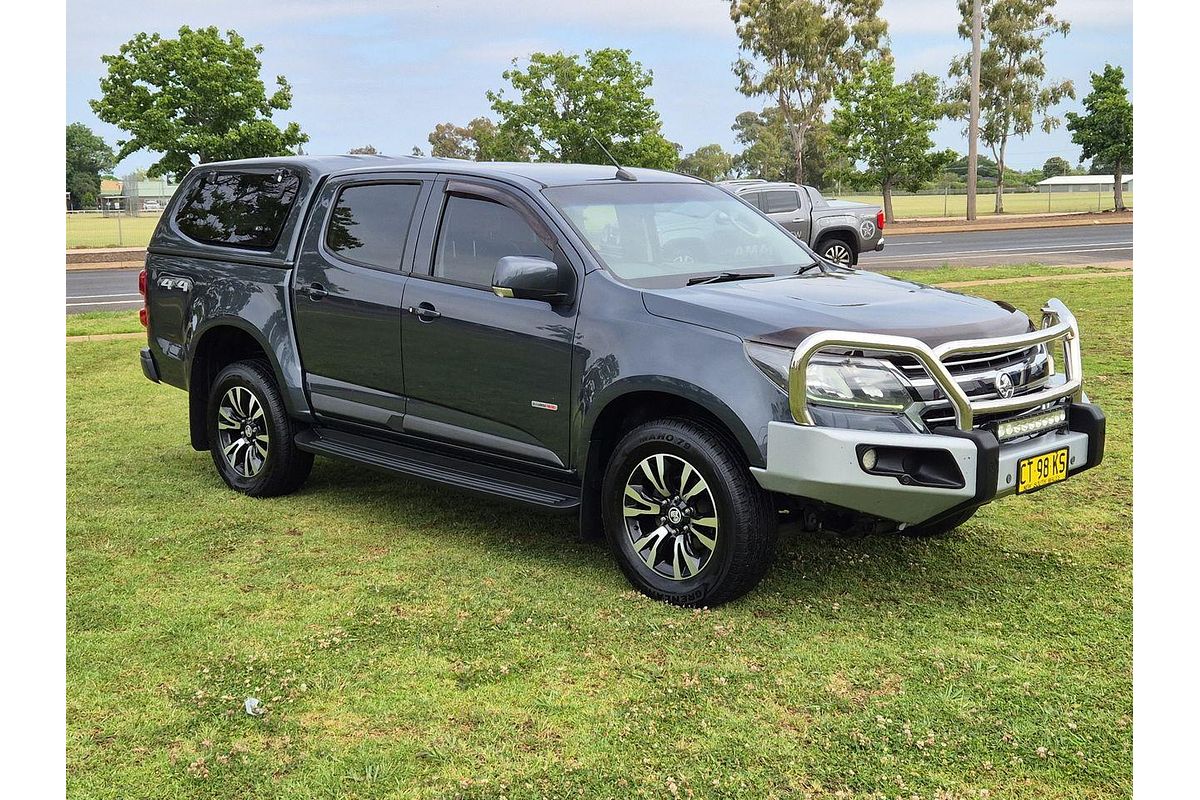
440, 468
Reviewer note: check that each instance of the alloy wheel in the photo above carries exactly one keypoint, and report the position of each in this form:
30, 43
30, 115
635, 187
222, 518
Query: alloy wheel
242, 431
670, 516
838, 253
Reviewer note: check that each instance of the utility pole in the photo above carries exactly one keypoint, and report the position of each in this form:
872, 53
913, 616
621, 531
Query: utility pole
973, 132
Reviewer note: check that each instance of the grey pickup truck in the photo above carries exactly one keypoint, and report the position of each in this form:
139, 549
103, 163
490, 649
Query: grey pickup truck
637, 348
837, 229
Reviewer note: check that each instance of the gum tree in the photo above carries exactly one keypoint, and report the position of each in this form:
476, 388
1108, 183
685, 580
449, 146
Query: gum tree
88, 157
195, 98
1014, 95
796, 51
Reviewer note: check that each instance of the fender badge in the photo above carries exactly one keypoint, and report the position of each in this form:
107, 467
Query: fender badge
543, 406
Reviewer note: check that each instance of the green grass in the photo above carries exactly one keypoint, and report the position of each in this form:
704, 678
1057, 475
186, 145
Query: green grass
96, 230
936, 205
91, 323
411, 641
948, 274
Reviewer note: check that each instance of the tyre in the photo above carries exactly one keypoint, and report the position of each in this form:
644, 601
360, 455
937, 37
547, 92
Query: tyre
837, 251
685, 519
250, 434
945, 526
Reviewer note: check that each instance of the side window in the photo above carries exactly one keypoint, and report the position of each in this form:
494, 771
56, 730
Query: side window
754, 199
477, 233
369, 223
239, 209
779, 202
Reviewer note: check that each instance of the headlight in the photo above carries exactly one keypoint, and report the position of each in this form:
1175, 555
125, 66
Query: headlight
867, 384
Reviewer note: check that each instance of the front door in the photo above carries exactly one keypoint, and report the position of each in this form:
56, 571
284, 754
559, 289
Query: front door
482, 371
348, 288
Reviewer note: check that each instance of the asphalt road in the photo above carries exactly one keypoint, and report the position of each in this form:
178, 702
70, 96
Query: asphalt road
116, 289
1083, 244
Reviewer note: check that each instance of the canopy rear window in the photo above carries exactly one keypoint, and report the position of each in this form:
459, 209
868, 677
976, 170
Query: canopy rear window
239, 209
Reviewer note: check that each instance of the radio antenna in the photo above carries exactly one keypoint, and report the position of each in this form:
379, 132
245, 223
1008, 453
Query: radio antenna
622, 173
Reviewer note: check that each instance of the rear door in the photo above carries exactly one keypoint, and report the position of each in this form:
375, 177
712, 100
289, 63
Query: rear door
789, 209
483, 371
347, 293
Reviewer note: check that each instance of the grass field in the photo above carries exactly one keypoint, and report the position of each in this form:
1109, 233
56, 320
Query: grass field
410, 641
96, 230
908, 206
90, 323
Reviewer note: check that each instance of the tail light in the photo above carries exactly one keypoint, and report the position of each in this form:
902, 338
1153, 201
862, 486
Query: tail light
879, 219
144, 311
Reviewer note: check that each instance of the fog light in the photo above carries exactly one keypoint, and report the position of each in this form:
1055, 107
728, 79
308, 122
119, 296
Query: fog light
869, 459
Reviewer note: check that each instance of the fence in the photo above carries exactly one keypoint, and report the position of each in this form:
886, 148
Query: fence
952, 201
110, 228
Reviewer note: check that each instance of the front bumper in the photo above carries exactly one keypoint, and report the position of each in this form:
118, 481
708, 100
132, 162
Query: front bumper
819, 463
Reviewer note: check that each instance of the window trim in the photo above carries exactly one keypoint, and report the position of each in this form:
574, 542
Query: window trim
342, 186
456, 187
257, 250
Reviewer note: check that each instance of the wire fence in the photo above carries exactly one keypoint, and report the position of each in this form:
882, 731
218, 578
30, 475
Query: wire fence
952, 201
110, 228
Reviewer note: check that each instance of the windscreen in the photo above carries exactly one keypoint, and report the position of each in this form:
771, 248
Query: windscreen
662, 234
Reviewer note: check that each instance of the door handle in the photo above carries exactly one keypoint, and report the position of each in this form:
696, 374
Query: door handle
425, 312
798, 219
313, 291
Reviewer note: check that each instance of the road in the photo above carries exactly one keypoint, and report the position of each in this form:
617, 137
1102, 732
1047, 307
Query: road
116, 289
1083, 244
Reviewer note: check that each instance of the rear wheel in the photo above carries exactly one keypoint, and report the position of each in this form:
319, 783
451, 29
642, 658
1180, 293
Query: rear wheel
839, 251
250, 434
945, 526
685, 519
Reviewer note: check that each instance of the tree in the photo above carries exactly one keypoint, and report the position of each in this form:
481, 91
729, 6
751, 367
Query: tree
797, 51
561, 103
1014, 96
767, 149
1105, 130
887, 127
365, 150
195, 98
709, 162
973, 108
1056, 165
88, 156
480, 140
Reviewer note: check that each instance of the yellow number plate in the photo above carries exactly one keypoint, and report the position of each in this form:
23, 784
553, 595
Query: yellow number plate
1038, 471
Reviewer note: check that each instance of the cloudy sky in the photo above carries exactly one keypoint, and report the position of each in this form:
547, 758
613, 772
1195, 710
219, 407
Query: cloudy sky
385, 72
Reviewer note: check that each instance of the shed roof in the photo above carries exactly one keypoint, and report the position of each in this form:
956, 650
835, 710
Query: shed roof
1078, 180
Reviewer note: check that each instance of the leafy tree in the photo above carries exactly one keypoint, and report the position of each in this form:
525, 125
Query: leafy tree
887, 127
709, 162
1014, 96
1055, 166
197, 97
768, 150
1105, 131
365, 150
88, 156
480, 140
560, 102
797, 51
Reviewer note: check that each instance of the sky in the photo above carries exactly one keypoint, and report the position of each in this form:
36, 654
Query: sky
386, 72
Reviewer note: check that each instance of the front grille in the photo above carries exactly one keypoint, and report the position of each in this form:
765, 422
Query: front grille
971, 363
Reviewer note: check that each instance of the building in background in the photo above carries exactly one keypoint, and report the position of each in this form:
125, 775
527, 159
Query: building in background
1083, 183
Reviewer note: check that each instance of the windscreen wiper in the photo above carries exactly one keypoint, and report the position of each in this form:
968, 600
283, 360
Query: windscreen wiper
722, 277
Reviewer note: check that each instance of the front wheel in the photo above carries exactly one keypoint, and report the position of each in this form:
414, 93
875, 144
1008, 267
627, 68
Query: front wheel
838, 251
683, 516
250, 434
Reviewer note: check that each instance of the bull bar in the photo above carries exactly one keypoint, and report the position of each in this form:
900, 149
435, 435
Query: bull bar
1058, 323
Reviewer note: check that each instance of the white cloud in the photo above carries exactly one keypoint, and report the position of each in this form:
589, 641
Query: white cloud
941, 16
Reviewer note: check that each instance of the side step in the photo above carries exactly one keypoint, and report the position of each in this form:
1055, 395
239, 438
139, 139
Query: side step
482, 478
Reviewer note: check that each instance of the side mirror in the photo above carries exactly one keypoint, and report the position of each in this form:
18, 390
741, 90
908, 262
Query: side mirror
529, 278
